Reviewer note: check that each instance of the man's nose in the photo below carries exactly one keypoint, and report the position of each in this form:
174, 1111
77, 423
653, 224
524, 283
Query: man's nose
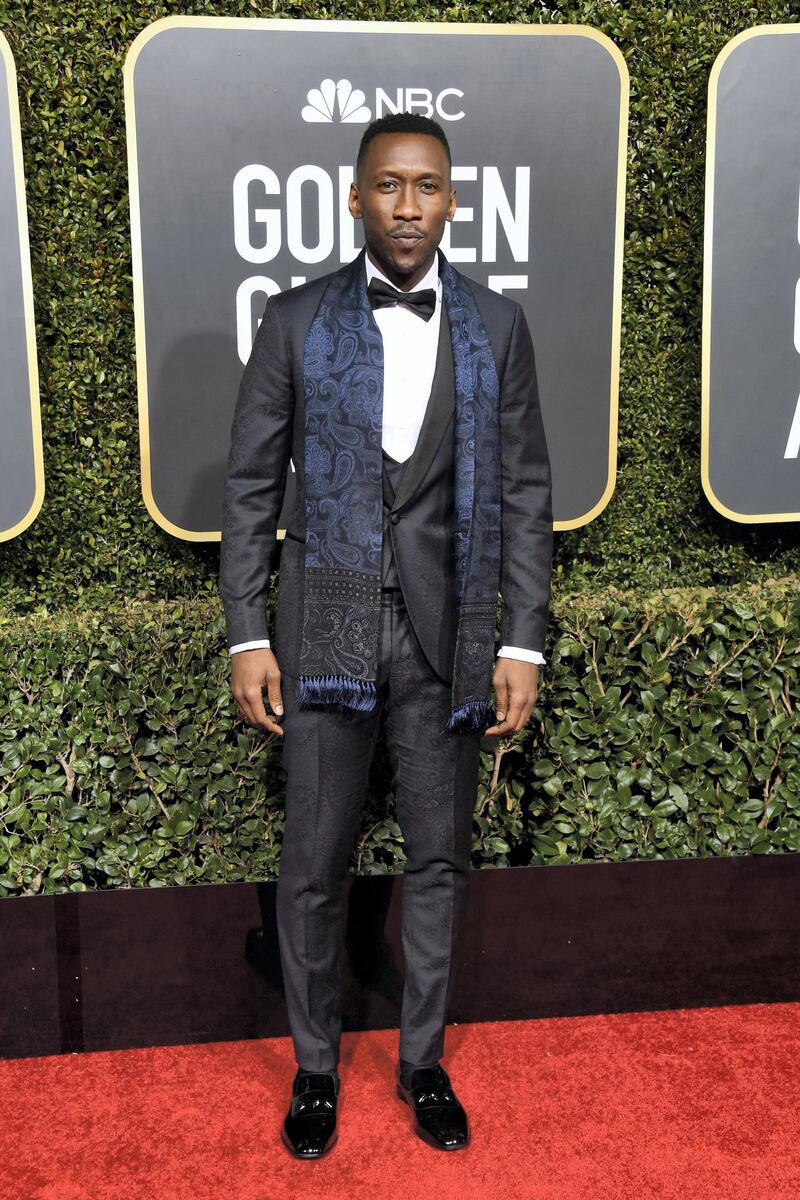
407, 204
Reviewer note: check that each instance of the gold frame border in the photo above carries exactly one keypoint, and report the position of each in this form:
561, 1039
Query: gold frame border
708, 248
340, 26
27, 296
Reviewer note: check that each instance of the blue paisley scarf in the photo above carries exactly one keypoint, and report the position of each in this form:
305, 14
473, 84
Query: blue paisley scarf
343, 369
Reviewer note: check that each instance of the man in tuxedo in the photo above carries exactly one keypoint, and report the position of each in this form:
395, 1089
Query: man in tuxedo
405, 395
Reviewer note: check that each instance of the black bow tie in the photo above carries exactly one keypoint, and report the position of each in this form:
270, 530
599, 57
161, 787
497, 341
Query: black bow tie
423, 303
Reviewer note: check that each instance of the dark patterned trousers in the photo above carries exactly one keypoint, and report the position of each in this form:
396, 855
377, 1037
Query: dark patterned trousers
327, 756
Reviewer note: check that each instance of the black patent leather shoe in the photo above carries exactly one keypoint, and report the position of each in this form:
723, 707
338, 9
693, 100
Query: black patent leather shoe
439, 1118
309, 1130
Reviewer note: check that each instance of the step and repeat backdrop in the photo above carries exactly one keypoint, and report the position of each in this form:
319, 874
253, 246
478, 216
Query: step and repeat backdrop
242, 137
751, 327
242, 192
21, 471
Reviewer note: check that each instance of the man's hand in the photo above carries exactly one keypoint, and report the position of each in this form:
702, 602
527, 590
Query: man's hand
515, 685
251, 670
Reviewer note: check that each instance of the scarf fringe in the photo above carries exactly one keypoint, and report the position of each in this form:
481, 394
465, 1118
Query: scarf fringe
337, 689
475, 714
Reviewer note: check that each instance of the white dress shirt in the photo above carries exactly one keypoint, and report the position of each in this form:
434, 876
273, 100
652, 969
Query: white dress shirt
409, 361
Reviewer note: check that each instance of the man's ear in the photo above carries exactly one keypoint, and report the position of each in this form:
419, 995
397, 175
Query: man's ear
353, 202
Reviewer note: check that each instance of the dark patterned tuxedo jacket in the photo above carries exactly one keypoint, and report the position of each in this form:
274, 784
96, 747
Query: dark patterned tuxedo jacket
268, 429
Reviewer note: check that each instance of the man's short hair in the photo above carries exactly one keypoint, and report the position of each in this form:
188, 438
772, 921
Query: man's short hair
404, 122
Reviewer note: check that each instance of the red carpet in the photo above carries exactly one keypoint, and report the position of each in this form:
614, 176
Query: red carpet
698, 1103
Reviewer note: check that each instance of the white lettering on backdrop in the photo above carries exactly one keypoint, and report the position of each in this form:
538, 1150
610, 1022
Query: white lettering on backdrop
309, 215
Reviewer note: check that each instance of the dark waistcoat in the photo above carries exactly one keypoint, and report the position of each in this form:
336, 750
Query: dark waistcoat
393, 472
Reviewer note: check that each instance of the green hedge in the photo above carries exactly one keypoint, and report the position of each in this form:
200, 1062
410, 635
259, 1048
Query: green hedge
667, 724
94, 544
667, 727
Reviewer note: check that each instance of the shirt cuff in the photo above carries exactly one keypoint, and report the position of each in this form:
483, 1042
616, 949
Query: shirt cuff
262, 643
532, 656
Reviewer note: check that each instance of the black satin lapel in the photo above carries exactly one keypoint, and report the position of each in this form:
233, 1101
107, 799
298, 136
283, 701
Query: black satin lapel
438, 415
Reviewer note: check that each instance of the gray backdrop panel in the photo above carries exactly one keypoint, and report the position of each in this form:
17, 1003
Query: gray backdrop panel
17, 462
211, 100
754, 368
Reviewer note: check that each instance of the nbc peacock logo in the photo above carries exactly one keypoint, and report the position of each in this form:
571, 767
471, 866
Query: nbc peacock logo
336, 101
